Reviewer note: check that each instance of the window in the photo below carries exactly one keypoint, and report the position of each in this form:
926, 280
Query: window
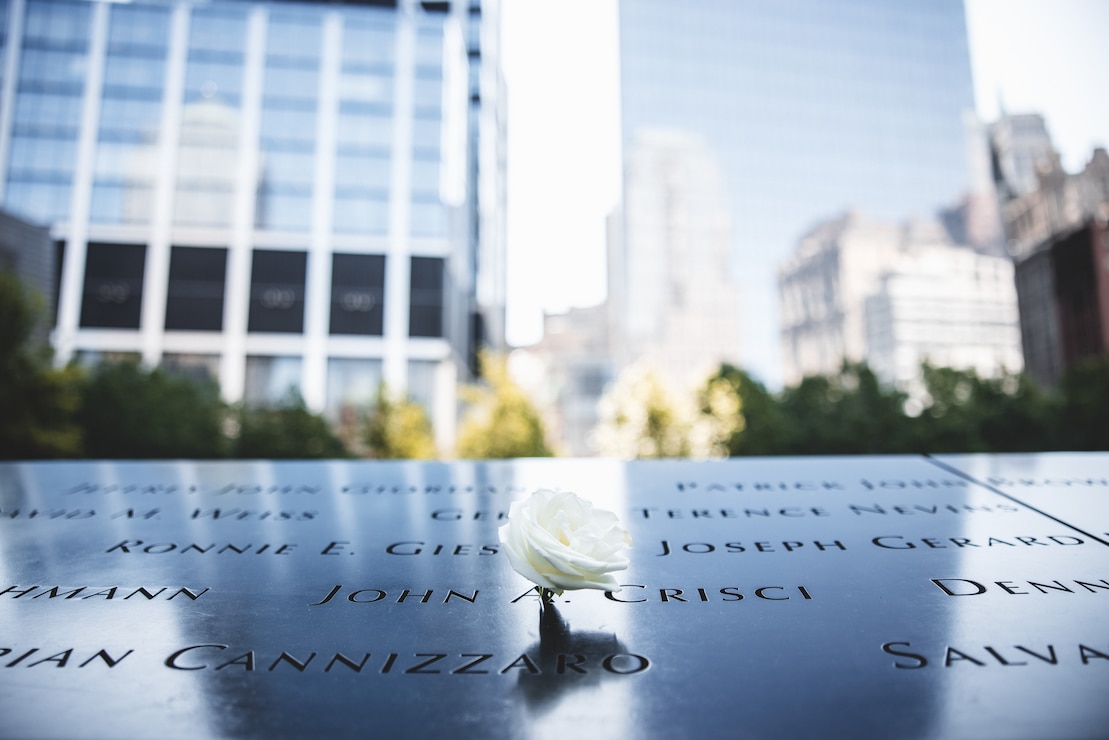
137, 29
360, 128
294, 34
271, 380
421, 383
196, 367
357, 213
113, 286
425, 176
284, 208
362, 172
194, 301
357, 293
351, 388
425, 311
277, 292
426, 135
429, 218
57, 24
368, 42
428, 94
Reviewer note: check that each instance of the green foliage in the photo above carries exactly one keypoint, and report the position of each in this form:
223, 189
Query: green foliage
398, 429
967, 413
288, 431
760, 427
1084, 407
131, 413
642, 418
721, 419
501, 422
38, 402
848, 413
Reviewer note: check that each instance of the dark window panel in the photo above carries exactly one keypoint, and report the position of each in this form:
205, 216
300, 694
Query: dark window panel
277, 291
59, 261
112, 296
425, 313
194, 301
357, 294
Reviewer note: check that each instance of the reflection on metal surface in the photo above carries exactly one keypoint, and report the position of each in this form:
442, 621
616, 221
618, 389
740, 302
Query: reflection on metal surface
885, 596
586, 657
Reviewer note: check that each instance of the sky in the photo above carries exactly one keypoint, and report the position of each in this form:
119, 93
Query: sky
561, 70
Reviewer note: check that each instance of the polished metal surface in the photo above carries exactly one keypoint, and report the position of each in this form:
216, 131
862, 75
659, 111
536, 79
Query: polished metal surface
960, 596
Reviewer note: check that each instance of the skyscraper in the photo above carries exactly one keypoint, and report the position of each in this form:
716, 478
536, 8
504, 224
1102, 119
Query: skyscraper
1057, 238
676, 261
1019, 144
809, 108
281, 195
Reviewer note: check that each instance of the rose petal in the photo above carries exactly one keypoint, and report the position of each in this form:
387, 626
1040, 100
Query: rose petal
559, 540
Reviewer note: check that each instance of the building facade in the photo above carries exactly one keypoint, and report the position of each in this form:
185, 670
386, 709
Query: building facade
808, 108
566, 374
1061, 202
27, 252
823, 288
1057, 238
948, 306
895, 295
677, 307
1019, 144
280, 195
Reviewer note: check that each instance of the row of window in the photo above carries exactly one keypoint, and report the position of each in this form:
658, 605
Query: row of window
112, 293
52, 79
351, 383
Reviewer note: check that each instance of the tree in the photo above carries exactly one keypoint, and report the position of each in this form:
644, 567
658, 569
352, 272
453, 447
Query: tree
1084, 406
760, 428
133, 413
38, 402
966, 413
398, 429
642, 418
501, 421
848, 413
288, 431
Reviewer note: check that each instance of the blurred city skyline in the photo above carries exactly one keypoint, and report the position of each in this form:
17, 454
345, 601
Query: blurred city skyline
564, 133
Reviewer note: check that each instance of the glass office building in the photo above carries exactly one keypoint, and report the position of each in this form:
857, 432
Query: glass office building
283, 196
809, 108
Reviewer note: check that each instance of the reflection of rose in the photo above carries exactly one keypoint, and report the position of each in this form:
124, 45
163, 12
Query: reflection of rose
559, 541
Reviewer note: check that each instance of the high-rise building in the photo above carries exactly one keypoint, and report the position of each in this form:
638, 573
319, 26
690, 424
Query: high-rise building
1057, 238
895, 295
299, 196
1063, 288
1060, 202
673, 266
824, 286
946, 305
27, 252
807, 108
1019, 144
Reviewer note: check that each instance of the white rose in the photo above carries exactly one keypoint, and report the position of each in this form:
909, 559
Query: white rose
559, 541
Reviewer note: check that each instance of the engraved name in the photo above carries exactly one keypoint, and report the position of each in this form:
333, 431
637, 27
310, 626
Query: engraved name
211, 656
109, 593
703, 548
35, 657
632, 593
967, 587
132, 547
375, 595
988, 655
939, 543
